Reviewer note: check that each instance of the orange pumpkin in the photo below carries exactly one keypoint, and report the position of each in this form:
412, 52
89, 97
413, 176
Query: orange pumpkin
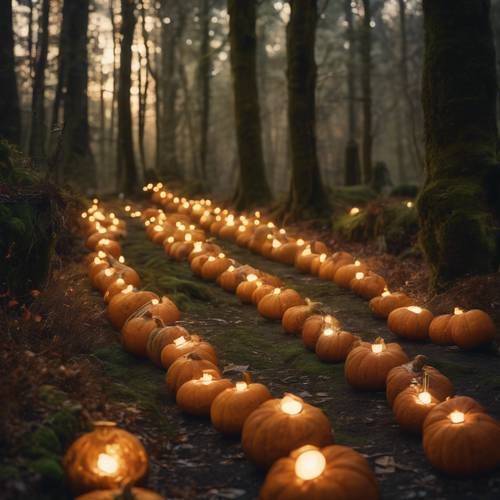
367, 365
274, 305
317, 262
109, 246
232, 277
338, 473
345, 274
198, 262
189, 367
329, 267
178, 348
279, 426
204, 249
313, 327
135, 333
460, 439
232, 406
260, 292
94, 239
125, 303
333, 346
196, 396
287, 253
368, 285
135, 494
214, 267
411, 406
439, 330
401, 377
472, 329
304, 260
385, 303
228, 231
166, 310
410, 322
161, 337
245, 289
115, 288
294, 318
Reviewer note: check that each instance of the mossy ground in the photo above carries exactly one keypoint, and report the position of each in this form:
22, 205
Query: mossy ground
194, 461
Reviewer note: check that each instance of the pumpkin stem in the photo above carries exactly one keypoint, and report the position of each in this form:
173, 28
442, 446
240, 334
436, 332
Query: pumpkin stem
247, 377
418, 363
194, 356
126, 493
379, 340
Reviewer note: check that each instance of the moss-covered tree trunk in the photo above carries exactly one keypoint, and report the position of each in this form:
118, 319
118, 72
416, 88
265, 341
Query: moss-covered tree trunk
253, 188
307, 197
204, 80
126, 166
10, 122
459, 204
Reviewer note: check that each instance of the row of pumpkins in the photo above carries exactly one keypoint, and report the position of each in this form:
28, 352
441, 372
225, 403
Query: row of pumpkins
288, 435
467, 329
413, 388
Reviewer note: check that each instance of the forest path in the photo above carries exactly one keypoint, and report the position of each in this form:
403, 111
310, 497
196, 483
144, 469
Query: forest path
192, 460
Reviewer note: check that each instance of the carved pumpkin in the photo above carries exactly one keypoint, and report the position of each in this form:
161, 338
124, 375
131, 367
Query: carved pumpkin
334, 472
279, 426
334, 345
472, 329
385, 303
161, 337
134, 494
410, 322
314, 326
125, 303
196, 396
345, 274
368, 285
178, 348
189, 367
294, 318
214, 267
274, 305
105, 458
460, 439
232, 406
401, 377
367, 365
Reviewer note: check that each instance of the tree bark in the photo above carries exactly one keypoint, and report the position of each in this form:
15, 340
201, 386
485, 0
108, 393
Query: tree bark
307, 197
38, 126
126, 165
10, 124
252, 188
352, 172
459, 204
77, 160
366, 86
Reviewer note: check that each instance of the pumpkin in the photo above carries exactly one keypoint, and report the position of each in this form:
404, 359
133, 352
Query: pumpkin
180, 250
294, 318
204, 249
166, 310
182, 346
287, 253
279, 426
274, 305
134, 494
260, 292
334, 345
385, 303
314, 326
168, 243
411, 406
109, 246
329, 267
188, 367
94, 239
471, 329
136, 331
345, 274
333, 472
87, 460
106, 278
115, 288
318, 247
410, 322
368, 285
214, 267
245, 289
440, 331
228, 231
401, 377
125, 303
161, 337
243, 236
198, 262
95, 268
317, 262
367, 365
196, 396
232, 277
304, 260
460, 439
232, 406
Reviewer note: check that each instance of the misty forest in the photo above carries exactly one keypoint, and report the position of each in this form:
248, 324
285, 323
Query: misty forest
249, 249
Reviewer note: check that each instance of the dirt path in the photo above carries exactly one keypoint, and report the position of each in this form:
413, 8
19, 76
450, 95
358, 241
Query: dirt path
191, 460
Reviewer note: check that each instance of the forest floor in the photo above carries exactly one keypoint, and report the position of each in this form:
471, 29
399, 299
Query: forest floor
189, 459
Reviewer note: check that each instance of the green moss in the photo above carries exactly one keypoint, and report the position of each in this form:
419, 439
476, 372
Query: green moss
405, 191
52, 395
42, 442
349, 196
49, 468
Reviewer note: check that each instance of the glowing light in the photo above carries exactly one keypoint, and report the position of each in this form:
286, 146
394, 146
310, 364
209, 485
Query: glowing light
386, 293
306, 251
357, 263
158, 228
97, 260
378, 348
282, 231
290, 405
188, 237
231, 269
276, 243
322, 257
101, 254
328, 331
241, 229
121, 259
155, 302
252, 277
457, 417
180, 341
211, 258
457, 311
221, 255
241, 386
277, 291
128, 289
206, 378
83, 215
415, 309
424, 397
300, 242
328, 319
354, 211
107, 463
198, 246
109, 272
120, 281
360, 276
310, 465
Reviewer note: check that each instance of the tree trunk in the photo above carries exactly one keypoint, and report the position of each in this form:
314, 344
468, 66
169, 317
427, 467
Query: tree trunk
307, 196
352, 173
38, 126
366, 85
77, 160
253, 188
143, 91
126, 166
460, 200
10, 123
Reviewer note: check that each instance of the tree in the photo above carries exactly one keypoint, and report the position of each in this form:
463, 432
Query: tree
38, 125
459, 206
352, 173
77, 161
307, 196
252, 188
126, 166
10, 123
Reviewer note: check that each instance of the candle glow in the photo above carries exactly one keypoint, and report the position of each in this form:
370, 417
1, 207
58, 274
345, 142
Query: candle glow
291, 406
457, 417
241, 386
424, 397
415, 309
310, 465
107, 464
